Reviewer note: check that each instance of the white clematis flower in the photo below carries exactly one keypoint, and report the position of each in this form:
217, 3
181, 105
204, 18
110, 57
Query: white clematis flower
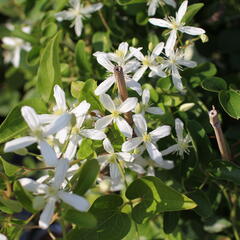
145, 107
115, 111
148, 61
113, 159
39, 133
2, 237
154, 4
176, 24
173, 63
76, 13
149, 140
129, 67
182, 145
54, 193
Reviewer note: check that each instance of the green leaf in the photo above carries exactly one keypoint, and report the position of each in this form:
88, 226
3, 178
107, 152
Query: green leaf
9, 168
225, 170
25, 36
155, 197
81, 219
203, 208
76, 88
230, 100
14, 124
214, 84
87, 176
49, 70
141, 18
13, 205
192, 10
101, 42
170, 221
83, 57
201, 142
127, 2
33, 56
85, 149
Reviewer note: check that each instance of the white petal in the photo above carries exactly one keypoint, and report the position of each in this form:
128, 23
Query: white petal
150, 171
49, 155
103, 60
75, 3
93, 134
16, 57
60, 172
47, 118
192, 30
136, 167
108, 146
3, 237
187, 63
124, 127
158, 49
153, 4
137, 53
166, 164
160, 22
177, 82
19, 143
91, 8
103, 122
160, 132
128, 105
64, 15
78, 26
155, 110
123, 47
33, 186
171, 42
61, 122
127, 157
170, 149
181, 11
60, 99
131, 144
103, 160
47, 214
140, 123
81, 109
154, 153
179, 126
78, 202
157, 70
135, 86
62, 135
114, 171
107, 102
139, 73
30, 117
104, 86
70, 152
170, 2
146, 96
130, 66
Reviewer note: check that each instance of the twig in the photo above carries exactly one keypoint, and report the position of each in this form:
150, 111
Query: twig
222, 145
122, 90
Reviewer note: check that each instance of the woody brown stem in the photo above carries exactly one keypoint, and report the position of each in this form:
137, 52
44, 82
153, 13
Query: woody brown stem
122, 90
222, 145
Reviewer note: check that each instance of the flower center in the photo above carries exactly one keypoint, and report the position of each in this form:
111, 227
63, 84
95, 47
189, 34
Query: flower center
146, 61
146, 138
119, 53
115, 114
113, 158
52, 191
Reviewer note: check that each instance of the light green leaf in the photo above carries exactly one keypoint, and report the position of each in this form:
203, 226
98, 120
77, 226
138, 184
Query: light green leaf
155, 197
214, 84
230, 100
85, 149
127, 2
9, 168
13, 205
49, 70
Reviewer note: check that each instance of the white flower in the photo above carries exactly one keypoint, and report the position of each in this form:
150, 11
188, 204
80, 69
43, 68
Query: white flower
182, 145
53, 193
153, 5
176, 25
113, 159
2, 237
38, 134
115, 111
76, 13
149, 140
145, 107
130, 66
148, 61
173, 63
14, 46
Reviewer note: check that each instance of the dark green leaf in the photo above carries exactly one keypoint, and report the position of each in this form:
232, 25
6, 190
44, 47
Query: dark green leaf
170, 221
101, 42
126, 2
141, 18
214, 84
9, 168
192, 10
13, 205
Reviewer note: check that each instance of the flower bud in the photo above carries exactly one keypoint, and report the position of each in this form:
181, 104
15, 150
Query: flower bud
150, 46
186, 106
134, 42
138, 108
204, 38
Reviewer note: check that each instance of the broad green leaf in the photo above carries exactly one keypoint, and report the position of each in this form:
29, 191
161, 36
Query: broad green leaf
164, 83
25, 36
141, 18
9, 168
126, 2
101, 42
87, 176
49, 30
23, 197
49, 70
33, 56
230, 100
76, 88
203, 208
14, 124
192, 10
13, 205
214, 84
155, 197
85, 149
112, 224
81, 219
201, 142
170, 221
83, 58
225, 170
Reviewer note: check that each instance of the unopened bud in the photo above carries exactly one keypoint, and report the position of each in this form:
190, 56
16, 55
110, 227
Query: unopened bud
134, 42
150, 46
22, 152
138, 108
204, 38
105, 185
186, 106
